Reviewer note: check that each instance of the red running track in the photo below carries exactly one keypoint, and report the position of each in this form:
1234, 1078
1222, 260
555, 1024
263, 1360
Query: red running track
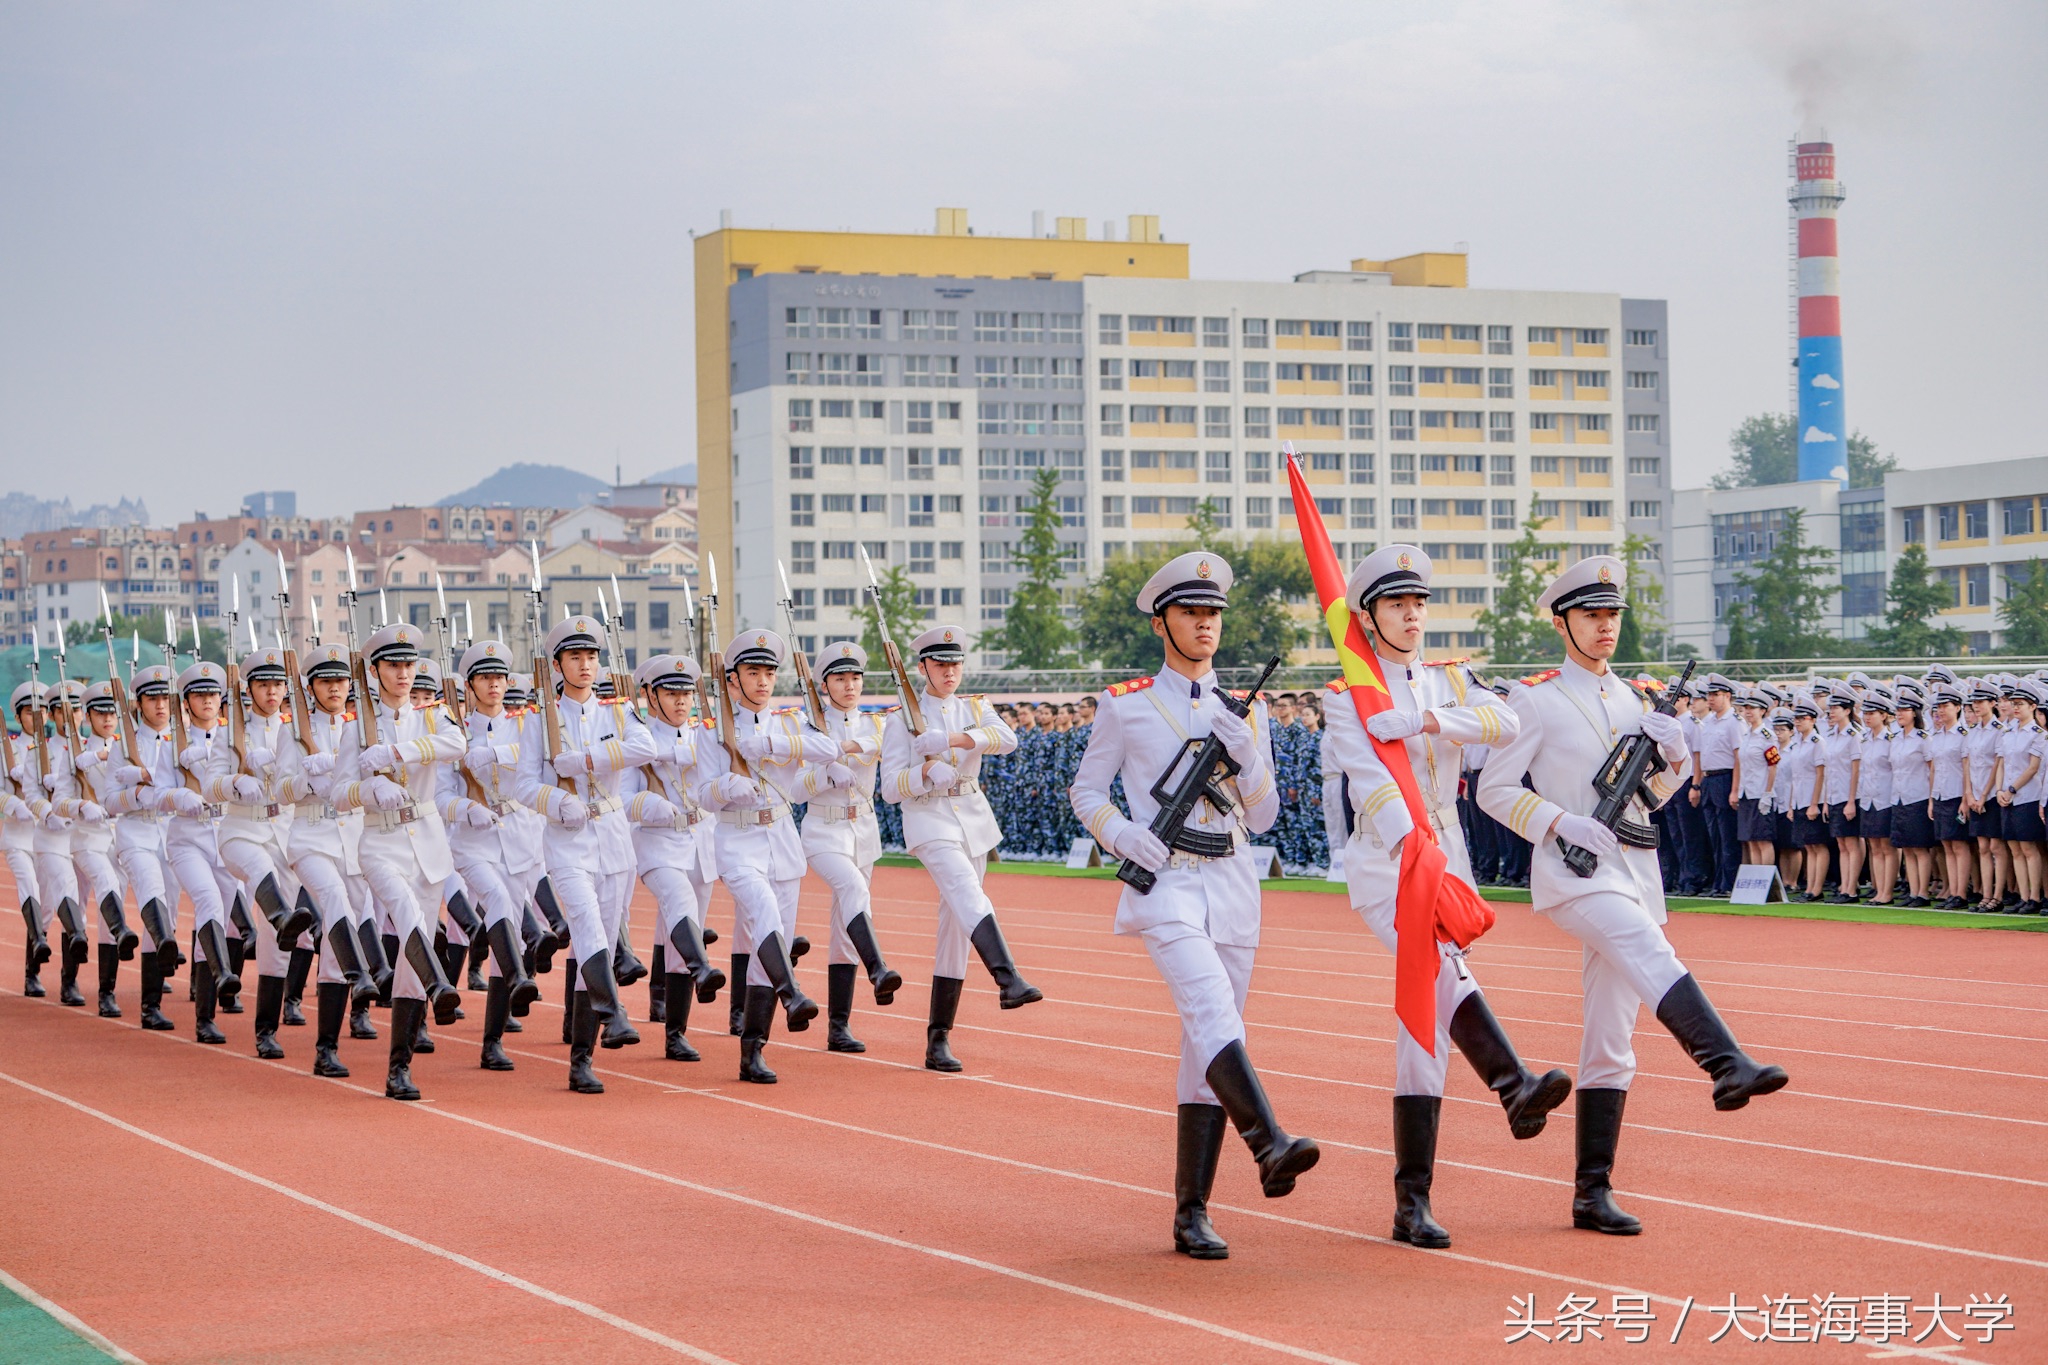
195, 1204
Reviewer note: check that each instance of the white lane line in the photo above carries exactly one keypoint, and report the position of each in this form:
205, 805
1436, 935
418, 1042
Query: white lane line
438, 1111
589, 1310
71, 1320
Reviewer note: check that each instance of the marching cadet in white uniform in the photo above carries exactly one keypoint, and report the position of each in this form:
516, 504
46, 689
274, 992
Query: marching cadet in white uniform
1571, 718
194, 848
760, 857
841, 839
674, 843
588, 848
459, 937
323, 844
22, 817
52, 797
1200, 920
492, 856
92, 837
1437, 710
255, 789
142, 806
948, 826
404, 848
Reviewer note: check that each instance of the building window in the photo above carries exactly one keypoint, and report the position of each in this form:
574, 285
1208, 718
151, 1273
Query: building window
1652, 465
1360, 425
1112, 419
1642, 379
836, 502
801, 507
1109, 329
1591, 336
1401, 381
1257, 376
1950, 517
1400, 424
1503, 518
1258, 422
1358, 336
1913, 526
1641, 337
1500, 341
917, 418
1402, 514
1215, 376
1258, 467
1400, 336
1364, 514
799, 413
1977, 585
918, 510
1401, 467
873, 457
1358, 380
1976, 520
1215, 331
1216, 464
1500, 383
842, 455
1642, 508
1216, 422
1361, 467
1113, 510
1643, 423
800, 462
1253, 332
2019, 516
803, 557
1112, 466
1258, 514
922, 559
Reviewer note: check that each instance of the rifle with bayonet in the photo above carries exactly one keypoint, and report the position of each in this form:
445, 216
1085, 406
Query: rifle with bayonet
238, 723
67, 716
294, 685
1621, 777
913, 715
623, 686
180, 735
358, 667
129, 743
814, 704
1197, 773
544, 679
39, 713
714, 674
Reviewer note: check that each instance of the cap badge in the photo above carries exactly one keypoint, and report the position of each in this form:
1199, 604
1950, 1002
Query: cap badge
761, 641
949, 637
1201, 571
846, 651
270, 658
1606, 574
401, 638
490, 651
1404, 560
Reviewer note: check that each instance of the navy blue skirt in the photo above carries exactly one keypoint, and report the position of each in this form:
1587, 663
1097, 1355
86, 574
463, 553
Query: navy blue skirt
1785, 835
2023, 824
1876, 822
1840, 825
1988, 823
1808, 831
1753, 826
1912, 826
1948, 820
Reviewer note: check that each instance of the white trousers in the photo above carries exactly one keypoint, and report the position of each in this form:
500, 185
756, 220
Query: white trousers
766, 905
196, 863
576, 892
1208, 982
405, 894
962, 903
21, 862
1628, 963
850, 898
455, 932
251, 860
329, 887
97, 876
678, 894
495, 896
1375, 880
58, 878
149, 875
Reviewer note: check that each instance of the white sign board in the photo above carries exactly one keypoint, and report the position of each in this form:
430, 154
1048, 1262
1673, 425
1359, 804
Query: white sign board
1756, 884
1083, 853
1268, 860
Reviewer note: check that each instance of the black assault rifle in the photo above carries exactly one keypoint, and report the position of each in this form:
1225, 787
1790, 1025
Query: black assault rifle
1624, 775
1197, 773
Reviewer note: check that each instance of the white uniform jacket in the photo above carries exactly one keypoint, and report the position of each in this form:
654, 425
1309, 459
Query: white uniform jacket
842, 819
424, 738
1570, 720
93, 773
615, 740
1141, 726
503, 843
141, 821
1466, 714
958, 814
758, 832
318, 825
685, 840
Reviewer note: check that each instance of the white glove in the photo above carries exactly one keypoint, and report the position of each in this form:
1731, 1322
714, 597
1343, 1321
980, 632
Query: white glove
1587, 833
481, 758
931, 743
55, 823
317, 765
89, 758
258, 758
838, 775
765, 744
247, 789
478, 817
737, 793
1236, 733
1665, 733
940, 776
14, 808
128, 775
192, 756
1394, 724
571, 813
92, 813
1140, 845
384, 794
655, 810
185, 801
379, 758
570, 763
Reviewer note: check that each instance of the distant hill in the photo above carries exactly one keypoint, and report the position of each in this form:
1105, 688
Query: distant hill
20, 513
531, 485
682, 473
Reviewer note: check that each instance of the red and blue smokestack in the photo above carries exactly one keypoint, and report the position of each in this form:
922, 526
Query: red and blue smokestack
1823, 429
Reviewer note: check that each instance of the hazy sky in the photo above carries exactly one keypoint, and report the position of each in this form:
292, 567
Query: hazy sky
374, 251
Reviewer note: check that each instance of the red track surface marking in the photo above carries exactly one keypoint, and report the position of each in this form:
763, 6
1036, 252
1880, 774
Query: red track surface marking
868, 1209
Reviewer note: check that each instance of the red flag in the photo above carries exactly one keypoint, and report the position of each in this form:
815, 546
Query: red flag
1431, 904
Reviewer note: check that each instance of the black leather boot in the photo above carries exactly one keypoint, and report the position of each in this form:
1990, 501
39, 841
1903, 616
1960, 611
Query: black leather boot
540, 943
77, 944
295, 973
1415, 1123
1686, 1011
465, 917
760, 1017
1199, 1147
110, 975
1527, 1097
600, 984
227, 982
676, 1019
153, 994
479, 949
269, 1006
582, 1044
737, 1013
387, 944
1281, 1158
454, 959
125, 939
799, 1008
688, 941
557, 937
1599, 1131
422, 1041
407, 1016
360, 1025
987, 939
376, 962
497, 1009
446, 1000
238, 955
341, 941
288, 920
520, 992
67, 972
884, 978
570, 981
657, 986
38, 945
798, 946
839, 1008
329, 1009
938, 1027
626, 968
156, 918
205, 992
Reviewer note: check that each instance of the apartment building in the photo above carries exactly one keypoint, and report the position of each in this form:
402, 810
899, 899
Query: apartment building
910, 414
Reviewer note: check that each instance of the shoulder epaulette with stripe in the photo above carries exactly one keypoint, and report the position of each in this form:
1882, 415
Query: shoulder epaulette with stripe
1443, 663
1134, 685
1337, 685
1542, 677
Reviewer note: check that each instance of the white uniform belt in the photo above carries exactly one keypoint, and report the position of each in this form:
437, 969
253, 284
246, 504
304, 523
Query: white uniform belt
317, 810
685, 818
839, 814
268, 810
751, 819
149, 815
966, 786
601, 804
388, 820
501, 809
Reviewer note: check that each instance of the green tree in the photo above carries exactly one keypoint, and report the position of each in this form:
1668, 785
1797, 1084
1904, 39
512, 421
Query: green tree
1788, 595
1035, 633
85, 633
1739, 645
1766, 450
1642, 625
899, 605
2024, 612
1867, 464
1515, 634
1912, 602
